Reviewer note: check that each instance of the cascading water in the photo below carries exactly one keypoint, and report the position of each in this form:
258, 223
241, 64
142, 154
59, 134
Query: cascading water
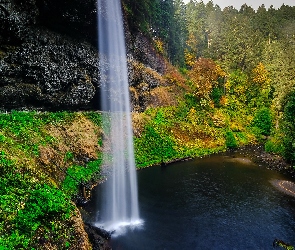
120, 198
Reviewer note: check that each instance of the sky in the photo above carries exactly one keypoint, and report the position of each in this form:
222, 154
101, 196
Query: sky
253, 3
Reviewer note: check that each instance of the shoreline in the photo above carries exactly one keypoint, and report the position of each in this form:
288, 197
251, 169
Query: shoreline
287, 187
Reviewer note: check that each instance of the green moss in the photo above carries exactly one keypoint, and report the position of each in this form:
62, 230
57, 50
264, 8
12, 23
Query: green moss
95, 117
77, 174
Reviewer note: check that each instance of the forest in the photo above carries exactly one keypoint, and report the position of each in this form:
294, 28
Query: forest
229, 81
237, 67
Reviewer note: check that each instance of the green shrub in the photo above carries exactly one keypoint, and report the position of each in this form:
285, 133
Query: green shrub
30, 207
241, 138
216, 95
190, 101
56, 117
274, 146
159, 118
28, 204
153, 148
263, 121
69, 156
44, 206
80, 174
230, 140
95, 117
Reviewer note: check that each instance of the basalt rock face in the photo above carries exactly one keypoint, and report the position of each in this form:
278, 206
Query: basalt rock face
40, 67
49, 58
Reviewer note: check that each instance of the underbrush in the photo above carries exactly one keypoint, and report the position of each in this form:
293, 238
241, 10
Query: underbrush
191, 130
32, 211
44, 157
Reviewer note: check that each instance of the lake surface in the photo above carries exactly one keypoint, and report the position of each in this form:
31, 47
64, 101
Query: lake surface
218, 202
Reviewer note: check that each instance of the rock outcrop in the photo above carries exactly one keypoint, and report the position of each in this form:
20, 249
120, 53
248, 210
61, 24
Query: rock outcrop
40, 67
49, 58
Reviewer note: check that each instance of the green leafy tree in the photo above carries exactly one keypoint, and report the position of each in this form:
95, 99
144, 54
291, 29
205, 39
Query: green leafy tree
180, 34
195, 25
280, 63
236, 90
260, 91
237, 45
263, 121
288, 127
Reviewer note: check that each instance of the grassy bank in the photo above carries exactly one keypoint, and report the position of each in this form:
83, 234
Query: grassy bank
168, 133
46, 157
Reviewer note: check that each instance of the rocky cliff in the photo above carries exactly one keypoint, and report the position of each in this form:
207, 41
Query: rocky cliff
49, 61
49, 57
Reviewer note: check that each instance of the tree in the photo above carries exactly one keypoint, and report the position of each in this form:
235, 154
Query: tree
259, 93
179, 34
236, 89
204, 77
263, 121
247, 10
236, 45
280, 63
288, 127
195, 25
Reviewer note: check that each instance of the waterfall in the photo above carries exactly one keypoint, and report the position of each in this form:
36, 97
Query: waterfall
120, 197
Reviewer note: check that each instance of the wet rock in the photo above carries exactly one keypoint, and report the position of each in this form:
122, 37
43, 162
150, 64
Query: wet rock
79, 233
49, 57
74, 18
81, 201
98, 237
142, 80
145, 53
51, 70
269, 160
39, 66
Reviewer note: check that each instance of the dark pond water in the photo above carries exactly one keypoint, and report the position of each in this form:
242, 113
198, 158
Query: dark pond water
218, 202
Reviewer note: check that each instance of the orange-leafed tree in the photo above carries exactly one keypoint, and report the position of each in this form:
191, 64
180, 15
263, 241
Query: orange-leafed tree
204, 76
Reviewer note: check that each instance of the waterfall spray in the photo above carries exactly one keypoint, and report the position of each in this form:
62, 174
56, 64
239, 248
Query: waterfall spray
120, 196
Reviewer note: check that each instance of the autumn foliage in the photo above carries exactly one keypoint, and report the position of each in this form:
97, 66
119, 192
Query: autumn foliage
204, 76
260, 75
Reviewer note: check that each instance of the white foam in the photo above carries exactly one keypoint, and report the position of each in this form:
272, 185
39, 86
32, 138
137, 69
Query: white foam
121, 227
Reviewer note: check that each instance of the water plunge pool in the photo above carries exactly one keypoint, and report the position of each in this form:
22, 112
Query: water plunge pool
218, 202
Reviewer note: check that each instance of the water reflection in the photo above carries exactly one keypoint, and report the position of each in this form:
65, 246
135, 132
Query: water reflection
219, 202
